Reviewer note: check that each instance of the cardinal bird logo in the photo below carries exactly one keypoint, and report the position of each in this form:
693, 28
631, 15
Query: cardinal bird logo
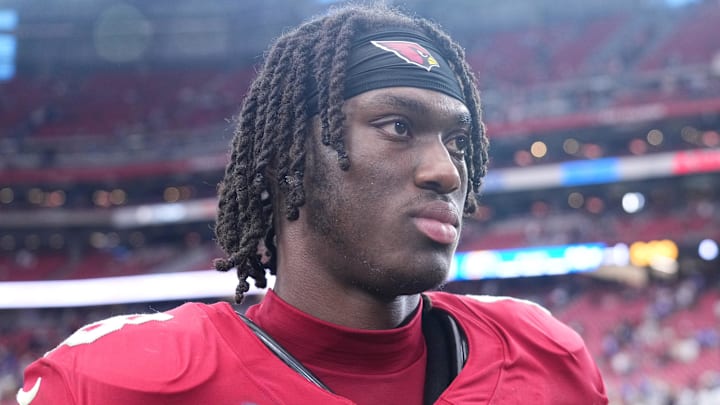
410, 52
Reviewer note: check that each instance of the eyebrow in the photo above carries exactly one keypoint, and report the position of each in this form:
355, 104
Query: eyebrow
416, 106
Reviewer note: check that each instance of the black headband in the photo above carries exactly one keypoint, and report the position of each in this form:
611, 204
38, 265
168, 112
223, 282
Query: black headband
395, 59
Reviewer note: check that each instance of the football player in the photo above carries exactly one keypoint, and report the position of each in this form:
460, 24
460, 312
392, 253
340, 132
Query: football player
358, 150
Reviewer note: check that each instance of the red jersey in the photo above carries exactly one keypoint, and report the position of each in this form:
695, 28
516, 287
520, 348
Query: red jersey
204, 354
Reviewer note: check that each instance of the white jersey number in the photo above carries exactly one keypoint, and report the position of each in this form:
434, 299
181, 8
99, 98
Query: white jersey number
94, 331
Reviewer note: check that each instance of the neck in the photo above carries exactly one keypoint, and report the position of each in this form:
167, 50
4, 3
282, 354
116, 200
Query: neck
304, 282
350, 308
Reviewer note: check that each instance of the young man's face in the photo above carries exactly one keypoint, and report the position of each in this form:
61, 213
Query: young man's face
390, 224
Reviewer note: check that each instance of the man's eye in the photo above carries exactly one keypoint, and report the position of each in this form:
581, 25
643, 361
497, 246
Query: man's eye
400, 128
459, 144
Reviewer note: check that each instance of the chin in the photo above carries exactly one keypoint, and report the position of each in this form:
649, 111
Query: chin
412, 282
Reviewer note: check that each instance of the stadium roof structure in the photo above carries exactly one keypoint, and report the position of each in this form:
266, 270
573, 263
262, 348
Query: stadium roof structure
84, 33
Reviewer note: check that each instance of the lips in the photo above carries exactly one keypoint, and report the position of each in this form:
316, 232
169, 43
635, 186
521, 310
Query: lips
438, 221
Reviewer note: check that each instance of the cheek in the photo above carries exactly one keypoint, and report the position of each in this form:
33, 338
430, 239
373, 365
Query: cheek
378, 181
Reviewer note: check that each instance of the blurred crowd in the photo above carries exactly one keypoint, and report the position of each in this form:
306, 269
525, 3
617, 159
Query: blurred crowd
143, 113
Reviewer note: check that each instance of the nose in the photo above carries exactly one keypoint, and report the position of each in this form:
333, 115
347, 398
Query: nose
436, 170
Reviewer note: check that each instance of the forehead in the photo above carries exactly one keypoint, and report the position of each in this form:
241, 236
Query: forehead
414, 100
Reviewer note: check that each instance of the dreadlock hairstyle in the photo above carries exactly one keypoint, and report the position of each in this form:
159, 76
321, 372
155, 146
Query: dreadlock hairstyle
268, 148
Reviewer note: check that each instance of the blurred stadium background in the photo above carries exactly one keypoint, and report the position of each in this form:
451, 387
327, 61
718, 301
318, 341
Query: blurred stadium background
602, 203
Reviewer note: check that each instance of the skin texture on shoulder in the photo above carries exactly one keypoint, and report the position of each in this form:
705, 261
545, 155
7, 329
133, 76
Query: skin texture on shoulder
354, 203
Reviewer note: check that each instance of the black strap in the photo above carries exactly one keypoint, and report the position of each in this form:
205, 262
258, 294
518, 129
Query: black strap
447, 350
283, 354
